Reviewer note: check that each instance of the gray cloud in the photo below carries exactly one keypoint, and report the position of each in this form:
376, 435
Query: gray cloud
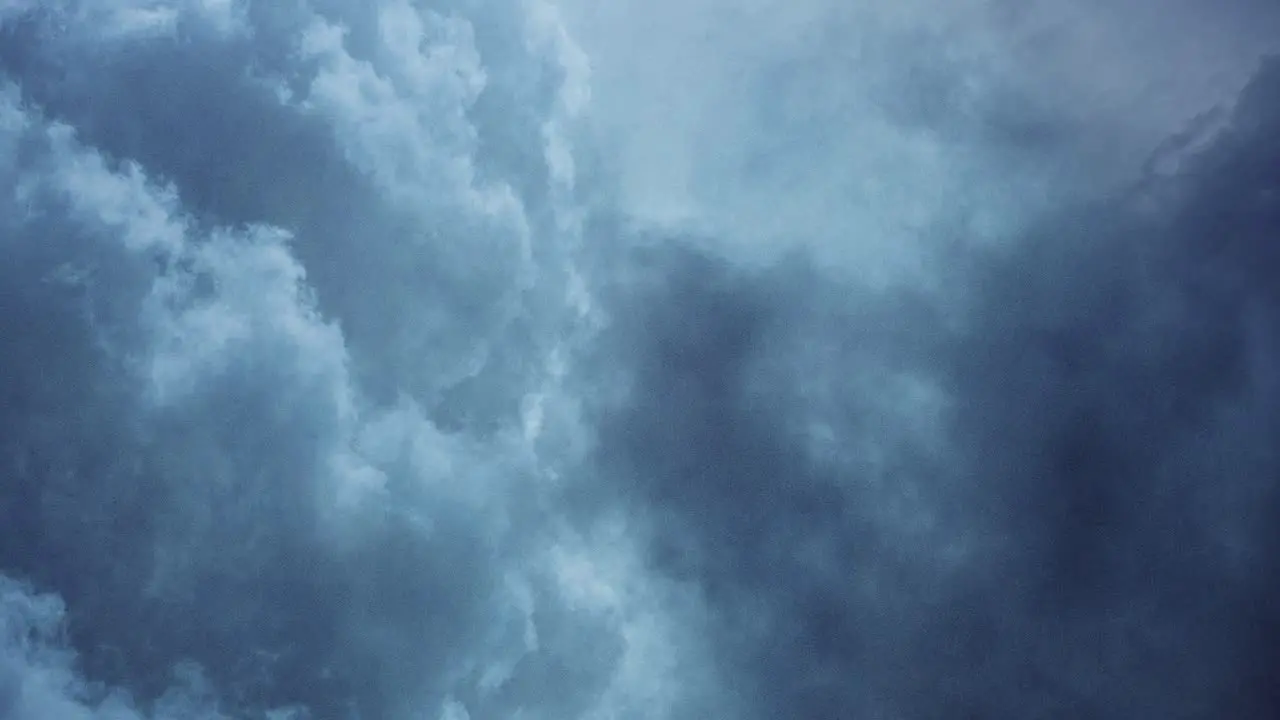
863, 132
206, 280
353, 367
1051, 496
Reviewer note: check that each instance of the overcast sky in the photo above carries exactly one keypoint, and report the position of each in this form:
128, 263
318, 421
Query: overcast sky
662, 359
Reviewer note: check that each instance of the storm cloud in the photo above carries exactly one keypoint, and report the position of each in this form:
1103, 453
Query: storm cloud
656, 360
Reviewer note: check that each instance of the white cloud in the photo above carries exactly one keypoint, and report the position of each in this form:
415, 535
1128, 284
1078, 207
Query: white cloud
403, 121
664, 669
38, 680
227, 305
859, 131
217, 299
120, 21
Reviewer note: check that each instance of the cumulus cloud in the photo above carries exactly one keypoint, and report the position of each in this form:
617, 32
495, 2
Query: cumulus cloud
193, 433
650, 360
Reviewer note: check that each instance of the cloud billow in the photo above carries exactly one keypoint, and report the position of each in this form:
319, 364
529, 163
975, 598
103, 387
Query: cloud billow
348, 371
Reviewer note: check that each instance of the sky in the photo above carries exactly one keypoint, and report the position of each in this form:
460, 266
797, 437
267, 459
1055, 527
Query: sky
671, 360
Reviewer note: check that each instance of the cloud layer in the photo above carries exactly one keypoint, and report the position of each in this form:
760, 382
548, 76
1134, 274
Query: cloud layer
371, 360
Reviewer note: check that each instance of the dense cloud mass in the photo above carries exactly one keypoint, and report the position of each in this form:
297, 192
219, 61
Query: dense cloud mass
709, 359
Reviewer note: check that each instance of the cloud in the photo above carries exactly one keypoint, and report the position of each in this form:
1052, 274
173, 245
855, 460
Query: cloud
203, 467
1051, 495
722, 360
39, 679
869, 133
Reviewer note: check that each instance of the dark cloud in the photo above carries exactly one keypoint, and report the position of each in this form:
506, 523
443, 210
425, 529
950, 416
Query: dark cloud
1106, 483
335, 383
